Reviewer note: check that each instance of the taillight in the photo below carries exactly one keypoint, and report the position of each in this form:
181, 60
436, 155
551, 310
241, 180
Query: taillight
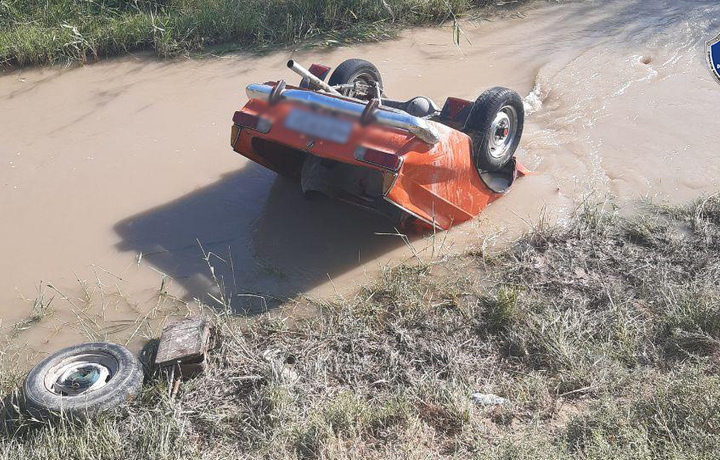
247, 120
376, 157
319, 71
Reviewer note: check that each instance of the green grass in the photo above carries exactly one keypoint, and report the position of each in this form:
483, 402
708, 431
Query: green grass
603, 337
36, 32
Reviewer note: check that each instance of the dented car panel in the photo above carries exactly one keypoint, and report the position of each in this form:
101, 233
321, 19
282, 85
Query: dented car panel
440, 185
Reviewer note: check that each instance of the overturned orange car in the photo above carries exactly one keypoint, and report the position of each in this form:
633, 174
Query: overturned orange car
410, 160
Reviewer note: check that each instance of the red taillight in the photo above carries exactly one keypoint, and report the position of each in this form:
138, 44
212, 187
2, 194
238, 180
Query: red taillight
247, 120
319, 71
376, 157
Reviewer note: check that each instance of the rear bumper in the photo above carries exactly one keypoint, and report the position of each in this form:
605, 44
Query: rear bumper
250, 142
384, 116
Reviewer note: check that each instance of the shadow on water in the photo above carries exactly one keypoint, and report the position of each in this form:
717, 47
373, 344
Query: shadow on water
266, 239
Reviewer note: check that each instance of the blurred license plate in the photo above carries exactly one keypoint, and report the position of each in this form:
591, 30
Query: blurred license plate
319, 126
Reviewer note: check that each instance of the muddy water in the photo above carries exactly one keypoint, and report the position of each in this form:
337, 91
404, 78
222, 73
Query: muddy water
114, 175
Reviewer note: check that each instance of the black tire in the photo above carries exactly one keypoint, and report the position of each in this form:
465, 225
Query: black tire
122, 385
487, 155
356, 69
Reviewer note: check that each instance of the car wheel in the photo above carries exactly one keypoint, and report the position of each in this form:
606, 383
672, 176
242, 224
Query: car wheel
363, 74
82, 380
495, 125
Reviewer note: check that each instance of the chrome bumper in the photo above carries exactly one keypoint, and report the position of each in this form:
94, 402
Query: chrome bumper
396, 119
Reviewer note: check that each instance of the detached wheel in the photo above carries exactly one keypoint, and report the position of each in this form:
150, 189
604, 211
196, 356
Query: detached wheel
363, 74
495, 125
83, 380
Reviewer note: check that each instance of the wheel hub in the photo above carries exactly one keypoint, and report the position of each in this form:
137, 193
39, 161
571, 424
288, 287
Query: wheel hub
82, 377
502, 131
363, 86
81, 374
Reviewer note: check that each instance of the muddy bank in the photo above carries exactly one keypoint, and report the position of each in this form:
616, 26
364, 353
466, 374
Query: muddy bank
112, 173
596, 340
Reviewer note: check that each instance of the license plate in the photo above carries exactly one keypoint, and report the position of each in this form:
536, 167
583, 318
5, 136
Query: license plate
319, 126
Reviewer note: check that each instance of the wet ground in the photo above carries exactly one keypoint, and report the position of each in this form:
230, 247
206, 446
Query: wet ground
116, 176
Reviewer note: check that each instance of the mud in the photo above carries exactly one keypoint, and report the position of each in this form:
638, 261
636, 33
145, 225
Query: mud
116, 176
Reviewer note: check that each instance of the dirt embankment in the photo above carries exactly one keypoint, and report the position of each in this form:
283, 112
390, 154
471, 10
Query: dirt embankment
600, 338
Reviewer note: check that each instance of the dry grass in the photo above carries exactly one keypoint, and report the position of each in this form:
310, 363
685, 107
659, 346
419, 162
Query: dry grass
603, 337
40, 32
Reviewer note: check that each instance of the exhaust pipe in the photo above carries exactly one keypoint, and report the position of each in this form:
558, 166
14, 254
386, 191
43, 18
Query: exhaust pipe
305, 73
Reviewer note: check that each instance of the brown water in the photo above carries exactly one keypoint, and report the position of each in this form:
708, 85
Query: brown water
113, 172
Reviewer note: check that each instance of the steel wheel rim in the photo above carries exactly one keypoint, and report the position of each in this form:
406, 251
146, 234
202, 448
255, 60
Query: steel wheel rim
502, 131
81, 374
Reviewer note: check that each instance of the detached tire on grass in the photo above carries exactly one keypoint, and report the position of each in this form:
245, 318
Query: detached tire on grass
495, 125
82, 381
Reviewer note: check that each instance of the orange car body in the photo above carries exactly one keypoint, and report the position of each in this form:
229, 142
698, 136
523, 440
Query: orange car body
437, 184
